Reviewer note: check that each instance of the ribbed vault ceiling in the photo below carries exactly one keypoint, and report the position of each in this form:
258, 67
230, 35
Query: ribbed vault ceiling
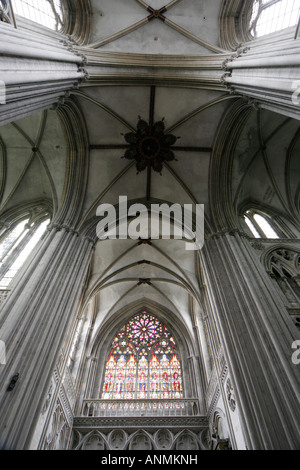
185, 27
33, 161
34, 155
266, 165
163, 271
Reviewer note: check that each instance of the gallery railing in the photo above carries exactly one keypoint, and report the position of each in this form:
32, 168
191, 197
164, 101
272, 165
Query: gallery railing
123, 408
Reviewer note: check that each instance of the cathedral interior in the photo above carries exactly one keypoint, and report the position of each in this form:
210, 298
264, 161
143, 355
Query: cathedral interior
139, 343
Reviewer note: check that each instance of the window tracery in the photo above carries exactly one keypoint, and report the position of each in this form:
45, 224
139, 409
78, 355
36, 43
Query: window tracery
269, 16
16, 244
6, 13
48, 13
284, 268
260, 225
143, 362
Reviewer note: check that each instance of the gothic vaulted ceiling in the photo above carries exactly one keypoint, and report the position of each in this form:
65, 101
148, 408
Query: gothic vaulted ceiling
34, 151
155, 273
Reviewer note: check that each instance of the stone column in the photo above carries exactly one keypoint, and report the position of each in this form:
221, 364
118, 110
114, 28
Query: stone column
34, 322
37, 70
267, 72
257, 337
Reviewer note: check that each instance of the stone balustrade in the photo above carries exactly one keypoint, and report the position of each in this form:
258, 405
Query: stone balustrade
130, 408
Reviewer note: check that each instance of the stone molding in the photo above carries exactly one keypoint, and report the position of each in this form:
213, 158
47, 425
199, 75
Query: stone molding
137, 422
141, 439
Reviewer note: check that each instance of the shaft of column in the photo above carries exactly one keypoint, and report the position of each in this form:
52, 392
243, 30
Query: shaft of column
267, 72
36, 71
257, 338
33, 325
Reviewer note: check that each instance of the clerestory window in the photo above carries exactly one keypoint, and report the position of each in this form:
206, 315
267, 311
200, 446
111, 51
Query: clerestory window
16, 245
259, 225
143, 362
269, 16
45, 12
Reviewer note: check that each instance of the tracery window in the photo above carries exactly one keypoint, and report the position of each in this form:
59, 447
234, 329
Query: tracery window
45, 12
6, 12
143, 362
284, 268
16, 244
269, 16
259, 225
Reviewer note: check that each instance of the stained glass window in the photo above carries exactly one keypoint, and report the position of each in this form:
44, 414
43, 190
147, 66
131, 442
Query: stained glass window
143, 362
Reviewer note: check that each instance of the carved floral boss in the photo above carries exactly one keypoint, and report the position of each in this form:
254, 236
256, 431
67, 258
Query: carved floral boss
150, 146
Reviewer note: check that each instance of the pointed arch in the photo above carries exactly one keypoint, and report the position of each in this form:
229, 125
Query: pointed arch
135, 443
234, 23
97, 353
220, 188
74, 125
143, 362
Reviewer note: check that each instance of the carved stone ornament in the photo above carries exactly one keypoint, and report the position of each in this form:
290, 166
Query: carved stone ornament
117, 439
48, 399
94, 442
230, 395
187, 441
5, 12
163, 439
140, 441
150, 146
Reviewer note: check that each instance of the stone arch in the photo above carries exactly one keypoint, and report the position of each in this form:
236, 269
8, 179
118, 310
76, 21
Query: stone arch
163, 439
186, 440
290, 258
219, 430
94, 440
282, 263
78, 24
235, 23
117, 439
34, 210
76, 134
223, 214
141, 440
